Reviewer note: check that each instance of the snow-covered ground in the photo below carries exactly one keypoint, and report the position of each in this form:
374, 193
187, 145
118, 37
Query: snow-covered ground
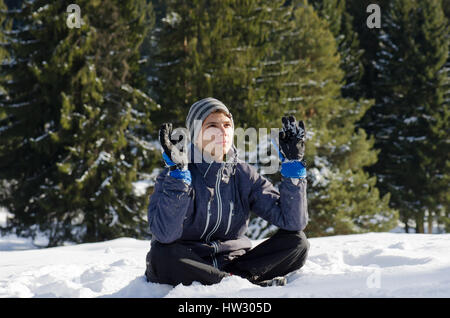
363, 265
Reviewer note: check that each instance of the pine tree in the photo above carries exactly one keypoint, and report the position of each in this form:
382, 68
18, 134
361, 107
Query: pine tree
445, 215
446, 8
342, 197
340, 23
205, 48
72, 142
368, 41
305, 73
410, 115
4, 27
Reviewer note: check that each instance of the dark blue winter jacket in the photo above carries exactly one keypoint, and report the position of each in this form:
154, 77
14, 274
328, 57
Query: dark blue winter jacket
213, 212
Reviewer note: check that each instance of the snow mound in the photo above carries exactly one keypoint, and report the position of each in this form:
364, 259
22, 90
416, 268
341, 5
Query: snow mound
363, 265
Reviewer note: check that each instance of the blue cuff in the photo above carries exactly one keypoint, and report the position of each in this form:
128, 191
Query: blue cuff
167, 160
184, 175
293, 169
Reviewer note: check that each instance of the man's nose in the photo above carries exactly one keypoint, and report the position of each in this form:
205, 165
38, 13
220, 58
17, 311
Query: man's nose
223, 131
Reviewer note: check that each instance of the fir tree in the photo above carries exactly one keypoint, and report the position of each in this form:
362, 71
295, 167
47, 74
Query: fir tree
4, 28
410, 115
71, 144
342, 197
205, 48
341, 25
368, 41
305, 73
444, 217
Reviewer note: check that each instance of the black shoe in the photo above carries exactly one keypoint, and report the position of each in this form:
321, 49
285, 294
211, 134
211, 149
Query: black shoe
277, 281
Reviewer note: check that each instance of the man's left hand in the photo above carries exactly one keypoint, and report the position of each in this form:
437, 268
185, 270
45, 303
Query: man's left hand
292, 138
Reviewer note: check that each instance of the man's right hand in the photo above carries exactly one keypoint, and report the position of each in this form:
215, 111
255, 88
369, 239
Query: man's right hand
175, 151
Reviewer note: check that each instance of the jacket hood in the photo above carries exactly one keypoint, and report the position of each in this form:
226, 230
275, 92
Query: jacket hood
209, 168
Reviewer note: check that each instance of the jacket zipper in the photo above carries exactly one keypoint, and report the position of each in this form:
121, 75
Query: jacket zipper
219, 206
208, 215
230, 217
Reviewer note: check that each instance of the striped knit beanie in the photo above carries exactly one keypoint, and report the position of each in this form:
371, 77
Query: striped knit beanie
199, 111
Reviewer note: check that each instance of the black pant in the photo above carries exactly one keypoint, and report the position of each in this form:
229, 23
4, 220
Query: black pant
175, 263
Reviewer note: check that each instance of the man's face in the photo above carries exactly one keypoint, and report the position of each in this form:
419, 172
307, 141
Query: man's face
216, 137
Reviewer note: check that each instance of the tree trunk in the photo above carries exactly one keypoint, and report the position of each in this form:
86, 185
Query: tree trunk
419, 223
430, 222
405, 220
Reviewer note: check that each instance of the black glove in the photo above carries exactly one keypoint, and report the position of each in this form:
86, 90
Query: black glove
176, 156
292, 138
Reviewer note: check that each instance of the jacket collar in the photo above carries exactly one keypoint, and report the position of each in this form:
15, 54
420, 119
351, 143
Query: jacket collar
209, 168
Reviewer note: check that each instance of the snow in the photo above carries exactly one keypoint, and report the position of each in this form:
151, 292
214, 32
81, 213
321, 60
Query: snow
321, 174
148, 180
362, 265
102, 157
172, 18
387, 264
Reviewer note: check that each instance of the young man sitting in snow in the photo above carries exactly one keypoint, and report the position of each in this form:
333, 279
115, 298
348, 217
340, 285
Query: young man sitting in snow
199, 211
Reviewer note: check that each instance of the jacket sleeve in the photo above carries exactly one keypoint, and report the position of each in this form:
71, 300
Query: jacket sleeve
168, 206
287, 208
